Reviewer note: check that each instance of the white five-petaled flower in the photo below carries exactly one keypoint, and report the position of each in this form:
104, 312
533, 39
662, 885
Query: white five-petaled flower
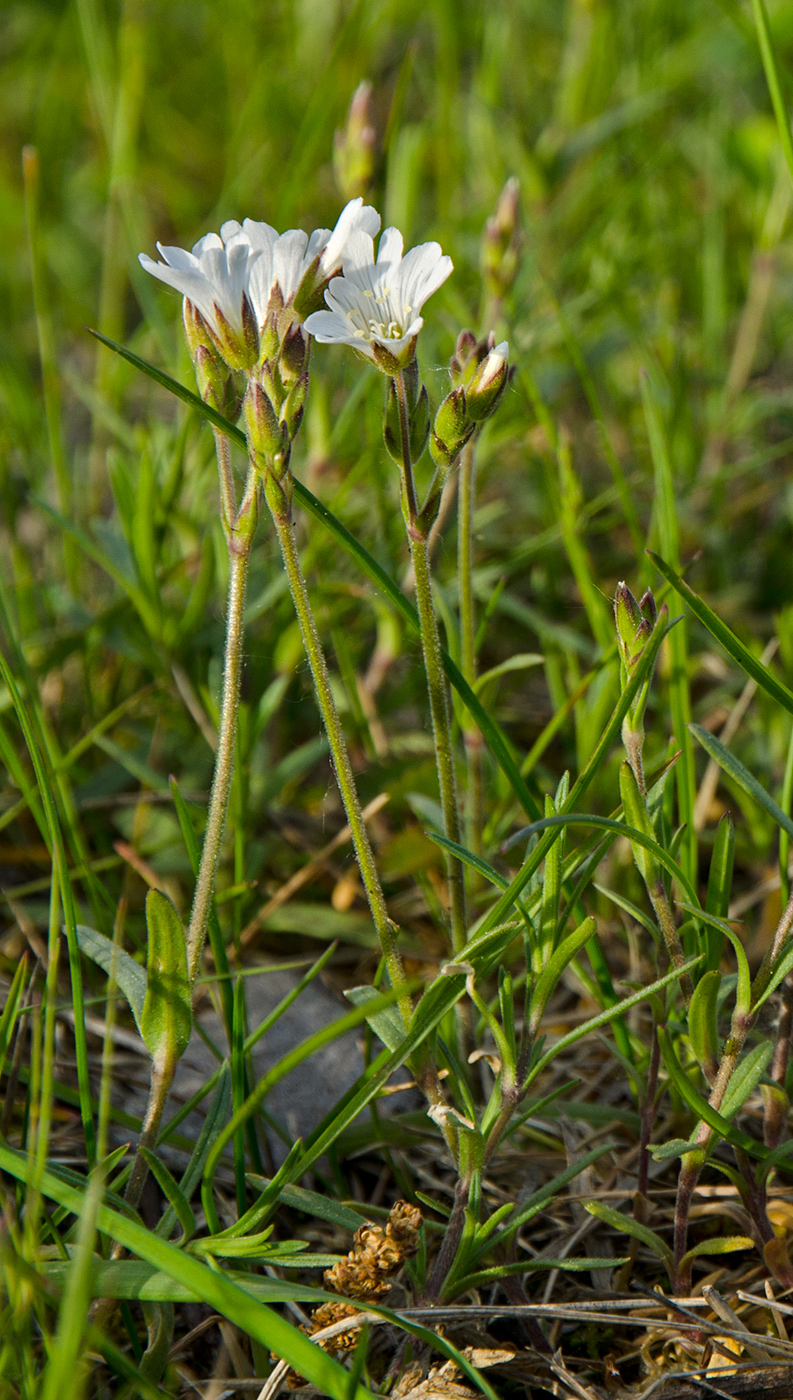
284, 260
214, 276
247, 261
375, 306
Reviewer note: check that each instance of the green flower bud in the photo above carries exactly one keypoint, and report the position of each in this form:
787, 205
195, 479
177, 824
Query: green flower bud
463, 362
418, 406
500, 257
270, 339
216, 384
292, 412
648, 608
292, 361
487, 384
196, 330
634, 626
267, 437
354, 146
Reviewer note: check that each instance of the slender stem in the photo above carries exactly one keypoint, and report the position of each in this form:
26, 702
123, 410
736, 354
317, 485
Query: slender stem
692, 1163
161, 1081
436, 685
239, 544
474, 803
341, 761
228, 503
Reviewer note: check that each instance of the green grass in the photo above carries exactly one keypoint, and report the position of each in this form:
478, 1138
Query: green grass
650, 327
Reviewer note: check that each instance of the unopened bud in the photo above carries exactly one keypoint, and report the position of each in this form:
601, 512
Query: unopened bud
292, 412
354, 146
648, 608
418, 410
634, 627
293, 355
196, 330
501, 243
487, 384
266, 435
216, 383
269, 338
464, 351
451, 430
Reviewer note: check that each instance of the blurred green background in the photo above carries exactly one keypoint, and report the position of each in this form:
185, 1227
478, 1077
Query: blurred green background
655, 240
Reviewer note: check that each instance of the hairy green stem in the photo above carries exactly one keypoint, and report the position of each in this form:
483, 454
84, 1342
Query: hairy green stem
474, 753
228, 504
239, 545
436, 685
341, 761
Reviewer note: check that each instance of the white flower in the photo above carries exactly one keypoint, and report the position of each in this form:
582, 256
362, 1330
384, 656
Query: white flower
285, 259
215, 276
375, 306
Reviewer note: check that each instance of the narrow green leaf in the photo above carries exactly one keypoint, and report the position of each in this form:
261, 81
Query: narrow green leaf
636, 815
311, 1203
8, 1018
718, 629
778, 103
717, 899
521, 661
610, 1013
723, 1244
167, 1016
130, 977
743, 989
700, 1105
502, 907
746, 1076
551, 973
206, 1284
492, 732
732, 766
676, 1147
172, 1192
540, 1198
528, 1265
622, 829
628, 1226
386, 1023
779, 973
667, 519
703, 1024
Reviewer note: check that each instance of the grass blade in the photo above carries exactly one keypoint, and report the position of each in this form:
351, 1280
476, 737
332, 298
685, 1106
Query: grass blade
735, 770
718, 629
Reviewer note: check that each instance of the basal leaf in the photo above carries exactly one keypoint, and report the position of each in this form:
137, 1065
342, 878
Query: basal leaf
130, 976
167, 1017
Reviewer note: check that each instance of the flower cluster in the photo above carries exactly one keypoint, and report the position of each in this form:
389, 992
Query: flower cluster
253, 299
